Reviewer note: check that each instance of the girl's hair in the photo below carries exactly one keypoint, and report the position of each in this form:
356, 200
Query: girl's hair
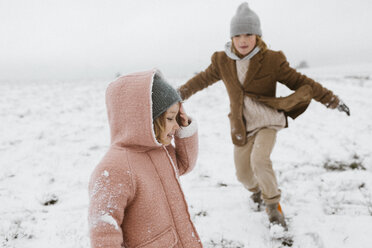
259, 43
159, 126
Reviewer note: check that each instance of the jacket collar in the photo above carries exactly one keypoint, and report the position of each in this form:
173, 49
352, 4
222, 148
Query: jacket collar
233, 56
254, 66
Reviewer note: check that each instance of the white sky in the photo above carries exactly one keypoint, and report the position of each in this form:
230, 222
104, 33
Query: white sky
75, 39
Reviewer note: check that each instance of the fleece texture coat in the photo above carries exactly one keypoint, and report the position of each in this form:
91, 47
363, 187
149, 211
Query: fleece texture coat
136, 200
266, 68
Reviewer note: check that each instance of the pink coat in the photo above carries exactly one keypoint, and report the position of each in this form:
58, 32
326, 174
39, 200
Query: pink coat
136, 200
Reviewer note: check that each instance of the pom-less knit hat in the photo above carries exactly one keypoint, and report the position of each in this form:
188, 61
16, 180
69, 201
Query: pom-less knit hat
163, 96
245, 21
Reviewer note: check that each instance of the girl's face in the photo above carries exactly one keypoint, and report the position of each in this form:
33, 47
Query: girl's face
171, 124
244, 43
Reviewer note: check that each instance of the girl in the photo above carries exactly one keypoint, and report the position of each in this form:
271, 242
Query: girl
250, 72
135, 195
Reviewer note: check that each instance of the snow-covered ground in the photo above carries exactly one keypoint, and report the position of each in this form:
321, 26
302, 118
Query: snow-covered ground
52, 135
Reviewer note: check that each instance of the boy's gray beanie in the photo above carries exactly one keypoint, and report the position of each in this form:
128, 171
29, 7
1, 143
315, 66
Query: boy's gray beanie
163, 96
245, 21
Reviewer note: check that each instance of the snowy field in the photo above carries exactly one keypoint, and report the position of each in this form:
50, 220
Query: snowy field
54, 133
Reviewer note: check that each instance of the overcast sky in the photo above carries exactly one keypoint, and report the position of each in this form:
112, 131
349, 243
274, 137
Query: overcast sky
77, 39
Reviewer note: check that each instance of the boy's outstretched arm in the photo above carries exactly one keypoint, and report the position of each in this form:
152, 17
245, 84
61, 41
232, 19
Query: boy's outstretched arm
293, 80
200, 81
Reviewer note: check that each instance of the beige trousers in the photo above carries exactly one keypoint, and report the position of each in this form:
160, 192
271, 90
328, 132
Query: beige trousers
253, 165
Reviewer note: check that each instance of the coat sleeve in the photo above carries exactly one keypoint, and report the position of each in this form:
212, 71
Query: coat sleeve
186, 148
110, 191
201, 80
294, 80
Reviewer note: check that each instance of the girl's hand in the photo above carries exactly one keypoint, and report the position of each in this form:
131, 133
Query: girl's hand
183, 119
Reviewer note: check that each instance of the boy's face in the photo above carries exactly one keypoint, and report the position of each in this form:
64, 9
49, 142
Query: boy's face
244, 43
171, 124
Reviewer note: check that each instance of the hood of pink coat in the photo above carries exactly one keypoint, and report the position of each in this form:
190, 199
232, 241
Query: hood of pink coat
129, 108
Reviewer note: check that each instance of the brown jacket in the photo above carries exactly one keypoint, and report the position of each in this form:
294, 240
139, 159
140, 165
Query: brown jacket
265, 70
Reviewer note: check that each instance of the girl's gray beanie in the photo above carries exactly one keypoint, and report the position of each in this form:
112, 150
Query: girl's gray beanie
245, 21
163, 96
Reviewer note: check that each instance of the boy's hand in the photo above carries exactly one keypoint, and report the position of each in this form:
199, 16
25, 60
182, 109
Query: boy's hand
183, 119
343, 107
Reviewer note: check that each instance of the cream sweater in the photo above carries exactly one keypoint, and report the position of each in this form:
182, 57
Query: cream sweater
256, 114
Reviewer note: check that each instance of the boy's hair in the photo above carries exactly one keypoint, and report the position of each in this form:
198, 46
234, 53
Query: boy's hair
159, 126
259, 43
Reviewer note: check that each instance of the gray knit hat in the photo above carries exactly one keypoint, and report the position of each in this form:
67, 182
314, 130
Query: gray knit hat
163, 96
245, 21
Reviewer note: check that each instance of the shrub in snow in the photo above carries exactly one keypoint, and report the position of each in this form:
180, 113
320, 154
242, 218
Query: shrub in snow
224, 243
49, 199
302, 64
15, 231
221, 184
201, 213
343, 166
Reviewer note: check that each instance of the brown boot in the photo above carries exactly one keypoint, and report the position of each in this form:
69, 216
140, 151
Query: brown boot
275, 213
256, 198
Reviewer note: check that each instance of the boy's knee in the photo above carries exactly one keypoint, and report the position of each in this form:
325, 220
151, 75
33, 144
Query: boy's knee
247, 180
260, 162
